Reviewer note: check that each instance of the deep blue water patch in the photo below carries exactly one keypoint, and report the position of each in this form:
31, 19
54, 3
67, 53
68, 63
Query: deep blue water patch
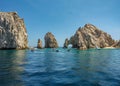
46, 67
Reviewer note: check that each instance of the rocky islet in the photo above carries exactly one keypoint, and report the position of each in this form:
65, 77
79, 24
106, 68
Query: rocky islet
50, 41
90, 36
39, 45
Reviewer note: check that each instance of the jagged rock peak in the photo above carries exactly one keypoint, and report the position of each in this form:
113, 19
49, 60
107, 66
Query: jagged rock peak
88, 27
13, 34
50, 41
90, 36
39, 44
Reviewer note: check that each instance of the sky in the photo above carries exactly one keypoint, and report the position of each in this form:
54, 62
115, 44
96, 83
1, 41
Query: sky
64, 17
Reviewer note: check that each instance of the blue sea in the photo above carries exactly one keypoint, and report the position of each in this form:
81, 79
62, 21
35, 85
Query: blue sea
45, 67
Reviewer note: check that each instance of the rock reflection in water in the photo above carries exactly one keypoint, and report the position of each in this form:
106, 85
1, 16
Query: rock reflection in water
10, 67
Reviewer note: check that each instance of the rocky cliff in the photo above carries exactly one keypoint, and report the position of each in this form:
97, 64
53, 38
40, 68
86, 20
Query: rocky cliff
13, 34
90, 36
50, 41
39, 45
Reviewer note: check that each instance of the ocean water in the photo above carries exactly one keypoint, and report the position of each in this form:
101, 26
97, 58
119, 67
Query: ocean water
46, 67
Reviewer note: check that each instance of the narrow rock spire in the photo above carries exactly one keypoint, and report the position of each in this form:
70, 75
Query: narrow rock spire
39, 44
66, 43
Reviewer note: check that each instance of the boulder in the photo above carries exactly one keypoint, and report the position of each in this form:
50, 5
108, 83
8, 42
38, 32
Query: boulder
50, 41
13, 34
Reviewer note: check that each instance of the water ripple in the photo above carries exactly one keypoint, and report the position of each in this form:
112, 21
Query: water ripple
46, 67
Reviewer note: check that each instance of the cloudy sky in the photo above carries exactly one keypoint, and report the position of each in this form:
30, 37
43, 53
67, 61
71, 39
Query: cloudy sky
64, 17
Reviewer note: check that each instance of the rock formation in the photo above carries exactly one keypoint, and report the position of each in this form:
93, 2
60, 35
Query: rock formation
117, 44
39, 45
90, 36
50, 41
13, 34
66, 43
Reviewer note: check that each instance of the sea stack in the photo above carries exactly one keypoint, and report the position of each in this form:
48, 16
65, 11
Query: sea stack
13, 34
66, 43
90, 36
39, 45
50, 41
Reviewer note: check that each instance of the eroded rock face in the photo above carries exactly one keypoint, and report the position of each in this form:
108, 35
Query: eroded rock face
39, 45
50, 41
117, 44
13, 34
66, 43
90, 36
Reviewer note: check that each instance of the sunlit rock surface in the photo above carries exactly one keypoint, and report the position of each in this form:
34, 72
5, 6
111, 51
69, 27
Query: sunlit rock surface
50, 41
66, 43
39, 45
90, 36
13, 34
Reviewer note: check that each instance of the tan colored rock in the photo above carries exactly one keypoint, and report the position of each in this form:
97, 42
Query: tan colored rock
39, 45
90, 36
117, 44
13, 34
66, 43
50, 41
